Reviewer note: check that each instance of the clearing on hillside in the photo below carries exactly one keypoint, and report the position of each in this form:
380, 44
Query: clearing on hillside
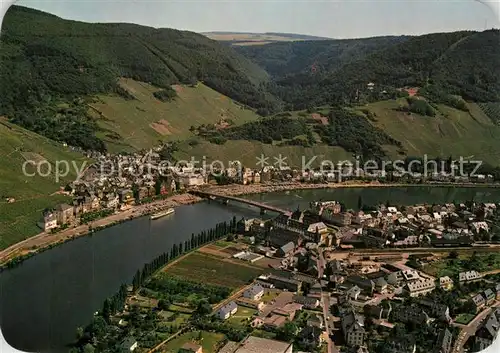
134, 124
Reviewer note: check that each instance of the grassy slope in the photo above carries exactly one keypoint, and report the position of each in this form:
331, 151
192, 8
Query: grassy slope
451, 132
194, 106
18, 219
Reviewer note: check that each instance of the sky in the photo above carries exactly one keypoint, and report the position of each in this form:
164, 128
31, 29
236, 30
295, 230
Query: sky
327, 18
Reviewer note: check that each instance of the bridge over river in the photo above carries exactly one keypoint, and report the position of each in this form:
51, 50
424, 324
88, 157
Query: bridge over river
225, 199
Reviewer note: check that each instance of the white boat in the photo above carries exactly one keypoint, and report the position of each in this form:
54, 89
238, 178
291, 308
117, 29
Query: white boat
162, 213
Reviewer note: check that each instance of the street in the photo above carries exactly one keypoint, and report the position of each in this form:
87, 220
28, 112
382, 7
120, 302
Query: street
471, 328
325, 302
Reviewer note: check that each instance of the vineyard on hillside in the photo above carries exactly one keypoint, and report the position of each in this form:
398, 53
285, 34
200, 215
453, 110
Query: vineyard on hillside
492, 110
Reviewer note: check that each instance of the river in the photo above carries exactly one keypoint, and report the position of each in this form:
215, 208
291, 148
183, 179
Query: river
47, 297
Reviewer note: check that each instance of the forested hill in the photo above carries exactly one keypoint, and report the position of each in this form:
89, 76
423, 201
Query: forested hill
287, 58
324, 72
46, 61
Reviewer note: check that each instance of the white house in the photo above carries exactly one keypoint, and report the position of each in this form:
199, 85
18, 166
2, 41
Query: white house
255, 292
227, 311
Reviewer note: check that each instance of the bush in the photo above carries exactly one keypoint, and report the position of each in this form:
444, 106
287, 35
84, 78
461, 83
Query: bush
165, 95
420, 106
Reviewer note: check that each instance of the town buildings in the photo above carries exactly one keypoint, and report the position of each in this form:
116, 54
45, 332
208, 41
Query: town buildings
226, 311
353, 328
254, 293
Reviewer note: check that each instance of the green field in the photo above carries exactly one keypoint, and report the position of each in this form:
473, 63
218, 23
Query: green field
142, 122
174, 319
452, 132
242, 317
209, 341
32, 194
464, 318
212, 270
452, 267
18, 220
223, 243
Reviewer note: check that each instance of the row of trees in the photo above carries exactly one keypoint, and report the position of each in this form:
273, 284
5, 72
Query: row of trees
92, 337
218, 232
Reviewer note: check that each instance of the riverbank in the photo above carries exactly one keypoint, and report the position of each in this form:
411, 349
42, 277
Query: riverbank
46, 240
239, 190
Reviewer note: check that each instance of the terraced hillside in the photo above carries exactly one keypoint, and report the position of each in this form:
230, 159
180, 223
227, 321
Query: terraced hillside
132, 124
451, 132
30, 194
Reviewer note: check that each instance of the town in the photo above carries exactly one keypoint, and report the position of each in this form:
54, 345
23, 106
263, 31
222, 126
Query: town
417, 278
116, 183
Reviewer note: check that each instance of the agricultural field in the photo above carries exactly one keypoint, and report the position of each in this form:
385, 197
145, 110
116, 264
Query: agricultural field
18, 220
209, 269
31, 194
449, 133
210, 341
492, 110
134, 124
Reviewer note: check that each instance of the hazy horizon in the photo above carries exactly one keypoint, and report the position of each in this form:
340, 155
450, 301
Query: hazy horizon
331, 19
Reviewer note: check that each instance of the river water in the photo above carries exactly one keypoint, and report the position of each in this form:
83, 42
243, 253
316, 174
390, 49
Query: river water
48, 296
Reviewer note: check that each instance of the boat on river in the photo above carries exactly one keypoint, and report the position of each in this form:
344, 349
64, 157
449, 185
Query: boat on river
162, 213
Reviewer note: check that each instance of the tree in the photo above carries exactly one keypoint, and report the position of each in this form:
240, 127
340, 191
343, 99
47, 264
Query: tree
453, 254
163, 304
203, 308
88, 348
106, 310
288, 331
79, 333
230, 237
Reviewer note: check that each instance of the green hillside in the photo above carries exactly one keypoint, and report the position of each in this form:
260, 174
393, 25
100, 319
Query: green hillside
451, 132
48, 62
31, 194
138, 123
292, 58
309, 74
247, 153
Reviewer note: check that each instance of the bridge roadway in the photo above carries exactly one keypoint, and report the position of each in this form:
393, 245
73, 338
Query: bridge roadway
262, 206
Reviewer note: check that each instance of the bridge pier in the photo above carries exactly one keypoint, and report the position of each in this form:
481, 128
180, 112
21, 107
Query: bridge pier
225, 201
262, 211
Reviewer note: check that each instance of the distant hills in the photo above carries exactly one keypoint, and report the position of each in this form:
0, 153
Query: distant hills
50, 65
308, 74
250, 39
125, 86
